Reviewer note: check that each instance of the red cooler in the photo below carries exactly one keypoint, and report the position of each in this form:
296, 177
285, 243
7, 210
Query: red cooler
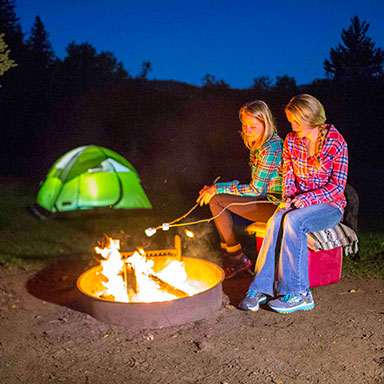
324, 267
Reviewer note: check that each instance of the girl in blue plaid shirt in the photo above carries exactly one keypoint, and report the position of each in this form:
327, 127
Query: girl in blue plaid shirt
315, 168
260, 136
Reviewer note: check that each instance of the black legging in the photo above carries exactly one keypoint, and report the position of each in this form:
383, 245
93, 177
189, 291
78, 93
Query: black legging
224, 223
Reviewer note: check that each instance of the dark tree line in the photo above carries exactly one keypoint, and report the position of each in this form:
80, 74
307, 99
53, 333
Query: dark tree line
43, 88
31, 91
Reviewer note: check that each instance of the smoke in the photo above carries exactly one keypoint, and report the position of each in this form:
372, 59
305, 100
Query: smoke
205, 243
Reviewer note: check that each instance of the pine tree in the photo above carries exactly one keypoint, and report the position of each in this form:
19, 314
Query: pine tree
10, 26
357, 59
39, 46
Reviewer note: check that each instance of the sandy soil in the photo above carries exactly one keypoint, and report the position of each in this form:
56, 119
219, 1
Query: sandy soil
43, 339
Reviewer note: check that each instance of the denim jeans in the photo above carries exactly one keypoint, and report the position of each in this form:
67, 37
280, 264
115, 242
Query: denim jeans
290, 226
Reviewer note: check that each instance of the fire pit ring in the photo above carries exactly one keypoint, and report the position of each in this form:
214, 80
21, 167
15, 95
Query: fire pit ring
138, 315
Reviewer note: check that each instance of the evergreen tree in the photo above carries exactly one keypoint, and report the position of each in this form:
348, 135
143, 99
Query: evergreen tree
39, 46
357, 59
10, 26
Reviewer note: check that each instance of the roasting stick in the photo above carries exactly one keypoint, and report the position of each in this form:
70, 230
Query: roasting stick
165, 226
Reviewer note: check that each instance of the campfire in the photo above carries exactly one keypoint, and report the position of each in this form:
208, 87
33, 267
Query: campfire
162, 282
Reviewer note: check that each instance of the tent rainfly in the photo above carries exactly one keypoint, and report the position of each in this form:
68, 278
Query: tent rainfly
88, 177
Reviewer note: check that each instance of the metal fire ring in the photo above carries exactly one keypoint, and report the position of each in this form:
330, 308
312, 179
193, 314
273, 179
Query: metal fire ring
154, 315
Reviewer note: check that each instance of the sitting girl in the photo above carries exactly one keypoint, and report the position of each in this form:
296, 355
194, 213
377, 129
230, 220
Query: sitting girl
259, 135
315, 166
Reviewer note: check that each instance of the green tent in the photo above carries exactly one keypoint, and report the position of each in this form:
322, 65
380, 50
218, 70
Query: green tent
88, 177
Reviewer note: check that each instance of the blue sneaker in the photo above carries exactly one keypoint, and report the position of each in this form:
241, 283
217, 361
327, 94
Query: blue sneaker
252, 301
292, 303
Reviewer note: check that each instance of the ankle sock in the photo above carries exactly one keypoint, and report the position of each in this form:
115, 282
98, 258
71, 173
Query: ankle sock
235, 251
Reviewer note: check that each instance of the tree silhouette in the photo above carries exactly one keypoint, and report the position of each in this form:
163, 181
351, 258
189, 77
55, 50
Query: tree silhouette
262, 83
39, 46
84, 69
285, 84
209, 81
9, 23
357, 59
145, 68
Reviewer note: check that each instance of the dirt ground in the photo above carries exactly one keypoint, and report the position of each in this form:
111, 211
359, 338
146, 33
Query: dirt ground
43, 339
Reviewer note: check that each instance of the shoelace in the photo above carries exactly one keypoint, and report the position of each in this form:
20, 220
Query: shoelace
289, 297
251, 293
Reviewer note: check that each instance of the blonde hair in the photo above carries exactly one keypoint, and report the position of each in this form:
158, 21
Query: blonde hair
260, 111
307, 110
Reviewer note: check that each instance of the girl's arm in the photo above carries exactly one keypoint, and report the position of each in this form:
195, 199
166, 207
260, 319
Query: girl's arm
269, 162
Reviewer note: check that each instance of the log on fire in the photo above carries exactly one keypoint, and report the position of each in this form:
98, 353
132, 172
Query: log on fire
168, 287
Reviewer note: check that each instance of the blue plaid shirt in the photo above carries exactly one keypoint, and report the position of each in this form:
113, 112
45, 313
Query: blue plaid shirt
266, 172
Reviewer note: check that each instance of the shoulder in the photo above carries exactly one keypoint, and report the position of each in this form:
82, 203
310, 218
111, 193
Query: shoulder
290, 139
273, 143
334, 137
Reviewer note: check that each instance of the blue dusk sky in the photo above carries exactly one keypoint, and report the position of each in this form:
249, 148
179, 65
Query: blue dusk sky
184, 40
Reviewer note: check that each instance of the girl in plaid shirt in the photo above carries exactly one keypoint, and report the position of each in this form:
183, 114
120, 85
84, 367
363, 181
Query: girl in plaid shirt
259, 135
315, 166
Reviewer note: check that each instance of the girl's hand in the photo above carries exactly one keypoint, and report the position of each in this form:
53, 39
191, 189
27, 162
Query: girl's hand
206, 194
298, 203
286, 204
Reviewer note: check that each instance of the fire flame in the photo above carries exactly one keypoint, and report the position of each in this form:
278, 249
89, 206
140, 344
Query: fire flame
134, 280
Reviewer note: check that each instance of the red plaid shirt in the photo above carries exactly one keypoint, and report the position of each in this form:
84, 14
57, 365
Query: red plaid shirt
316, 185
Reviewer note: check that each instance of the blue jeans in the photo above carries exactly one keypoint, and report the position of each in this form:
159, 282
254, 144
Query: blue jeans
292, 254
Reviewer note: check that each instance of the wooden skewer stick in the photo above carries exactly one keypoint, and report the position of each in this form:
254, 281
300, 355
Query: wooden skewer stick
179, 256
168, 287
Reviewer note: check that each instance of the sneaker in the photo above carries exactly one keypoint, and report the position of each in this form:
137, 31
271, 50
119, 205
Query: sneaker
292, 303
233, 266
252, 301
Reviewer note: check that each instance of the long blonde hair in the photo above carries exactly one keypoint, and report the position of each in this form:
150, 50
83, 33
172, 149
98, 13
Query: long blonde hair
260, 111
307, 110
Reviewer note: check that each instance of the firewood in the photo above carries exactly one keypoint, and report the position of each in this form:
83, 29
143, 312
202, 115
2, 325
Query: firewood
168, 287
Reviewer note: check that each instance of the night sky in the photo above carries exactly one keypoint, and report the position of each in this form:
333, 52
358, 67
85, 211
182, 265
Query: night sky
184, 40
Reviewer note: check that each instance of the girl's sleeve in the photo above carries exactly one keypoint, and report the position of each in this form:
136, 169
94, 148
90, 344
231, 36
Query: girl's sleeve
334, 189
269, 162
289, 186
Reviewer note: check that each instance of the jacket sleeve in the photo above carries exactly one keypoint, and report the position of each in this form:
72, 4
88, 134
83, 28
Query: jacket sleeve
269, 161
334, 189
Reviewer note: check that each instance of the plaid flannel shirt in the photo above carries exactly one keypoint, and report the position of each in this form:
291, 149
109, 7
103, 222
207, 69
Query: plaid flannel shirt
314, 185
266, 172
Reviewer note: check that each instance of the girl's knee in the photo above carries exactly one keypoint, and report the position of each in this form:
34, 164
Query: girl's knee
215, 200
293, 220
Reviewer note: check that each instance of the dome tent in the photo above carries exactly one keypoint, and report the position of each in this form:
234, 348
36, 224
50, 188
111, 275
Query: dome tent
88, 177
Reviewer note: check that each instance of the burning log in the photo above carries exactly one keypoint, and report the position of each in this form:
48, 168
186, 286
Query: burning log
168, 287
130, 280
179, 256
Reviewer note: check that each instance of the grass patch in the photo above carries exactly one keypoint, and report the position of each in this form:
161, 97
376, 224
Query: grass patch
25, 239
371, 263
